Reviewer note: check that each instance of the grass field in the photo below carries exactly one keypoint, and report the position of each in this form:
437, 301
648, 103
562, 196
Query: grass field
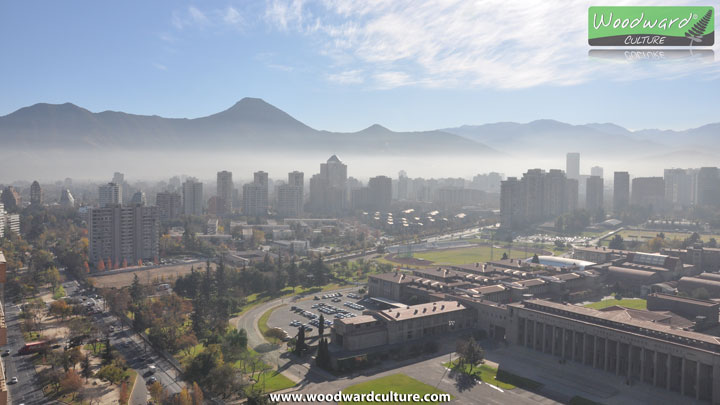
486, 373
399, 383
145, 276
262, 322
634, 303
271, 381
468, 255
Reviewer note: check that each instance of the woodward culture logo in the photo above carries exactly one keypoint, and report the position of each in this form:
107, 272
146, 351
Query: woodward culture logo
651, 26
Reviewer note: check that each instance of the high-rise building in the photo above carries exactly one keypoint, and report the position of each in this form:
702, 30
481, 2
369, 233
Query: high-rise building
169, 205
572, 168
533, 182
555, 200
139, 198
11, 199
678, 187
192, 193
380, 189
402, 185
328, 190
35, 193
512, 203
596, 171
648, 192
122, 236
594, 194
708, 186
621, 191
67, 199
109, 194
572, 194
225, 193
255, 196
3, 216
290, 196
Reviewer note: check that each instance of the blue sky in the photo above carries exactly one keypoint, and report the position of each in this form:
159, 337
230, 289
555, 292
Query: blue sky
342, 65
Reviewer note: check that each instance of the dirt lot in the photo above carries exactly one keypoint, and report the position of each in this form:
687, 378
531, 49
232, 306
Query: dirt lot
146, 276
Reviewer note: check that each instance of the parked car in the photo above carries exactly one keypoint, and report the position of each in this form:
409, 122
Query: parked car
13, 380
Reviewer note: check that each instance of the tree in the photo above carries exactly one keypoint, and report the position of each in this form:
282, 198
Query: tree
157, 392
535, 259
136, 290
70, 382
469, 352
321, 326
275, 334
504, 256
617, 242
197, 394
300, 341
86, 371
60, 308
234, 344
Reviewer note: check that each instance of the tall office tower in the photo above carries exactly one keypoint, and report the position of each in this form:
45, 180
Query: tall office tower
255, 196
290, 196
402, 185
708, 186
3, 327
678, 187
169, 205
67, 199
109, 194
192, 193
648, 192
328, 189
572, 194
621, 191
533, 182
119, 179
572, 166
594, 194
596, 171
555, 201
122, 236
380, 191
512, 213
139, 198
35, 193
225, 193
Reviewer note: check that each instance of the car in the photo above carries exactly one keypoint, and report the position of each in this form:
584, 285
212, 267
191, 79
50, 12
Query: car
151, 380
308, 329
6, 353
336, 300
316, 298
13, 380
293, 308
152, 369
315, 305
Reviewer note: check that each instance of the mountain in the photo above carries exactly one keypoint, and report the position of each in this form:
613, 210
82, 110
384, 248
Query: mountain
606, 139
249, 124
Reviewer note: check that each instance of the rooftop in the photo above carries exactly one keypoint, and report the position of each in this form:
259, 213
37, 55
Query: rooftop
421, 310
687, 300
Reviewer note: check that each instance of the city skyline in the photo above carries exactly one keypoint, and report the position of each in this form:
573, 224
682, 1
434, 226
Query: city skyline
190, 60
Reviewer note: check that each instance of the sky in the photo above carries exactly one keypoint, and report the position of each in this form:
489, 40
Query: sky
345, 65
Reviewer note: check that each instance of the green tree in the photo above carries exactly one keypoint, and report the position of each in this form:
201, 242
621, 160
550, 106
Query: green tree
617, 242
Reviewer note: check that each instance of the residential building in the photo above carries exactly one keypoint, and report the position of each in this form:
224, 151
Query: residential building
511, 203
35, 194
596, 171
678, 187
648, 192
708, 186
109, 194
380, 189
139, 198
225, 193
621, 191
290, 196
169, 205
192, 195
329, 188
255, 196
123, 235
572, 167
594, 194
11, 199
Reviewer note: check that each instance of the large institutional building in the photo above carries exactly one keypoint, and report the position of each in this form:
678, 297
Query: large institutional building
667, 346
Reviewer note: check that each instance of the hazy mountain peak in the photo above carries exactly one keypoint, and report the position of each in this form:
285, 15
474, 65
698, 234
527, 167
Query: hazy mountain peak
376, 129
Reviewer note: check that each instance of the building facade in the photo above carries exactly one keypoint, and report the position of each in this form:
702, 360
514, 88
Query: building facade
192, 196
169, 205
621, 191
122, 236
225, 193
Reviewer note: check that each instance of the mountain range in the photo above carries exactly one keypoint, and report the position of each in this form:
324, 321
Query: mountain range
254, 124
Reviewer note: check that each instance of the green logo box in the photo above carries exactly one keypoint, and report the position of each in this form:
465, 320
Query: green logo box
651, 26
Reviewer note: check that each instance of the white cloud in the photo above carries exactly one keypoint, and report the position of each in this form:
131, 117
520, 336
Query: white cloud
159, 66
233, 17
347, 77
194, 17
440, 43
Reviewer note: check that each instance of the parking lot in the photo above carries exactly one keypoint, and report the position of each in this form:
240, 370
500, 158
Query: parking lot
331, 306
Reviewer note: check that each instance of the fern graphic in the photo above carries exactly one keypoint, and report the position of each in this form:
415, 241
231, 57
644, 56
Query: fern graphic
696, 32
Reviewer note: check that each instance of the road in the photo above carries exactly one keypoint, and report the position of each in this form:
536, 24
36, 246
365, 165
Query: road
25, 391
